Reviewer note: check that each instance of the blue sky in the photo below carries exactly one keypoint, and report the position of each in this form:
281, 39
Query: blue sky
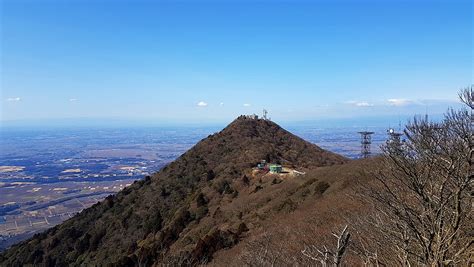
209, 61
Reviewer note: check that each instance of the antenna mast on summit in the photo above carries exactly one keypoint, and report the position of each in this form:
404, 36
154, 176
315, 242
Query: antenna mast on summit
265, 113
366, 140
394, 138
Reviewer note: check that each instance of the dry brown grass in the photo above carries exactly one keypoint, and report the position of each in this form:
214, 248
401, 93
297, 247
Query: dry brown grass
313, 220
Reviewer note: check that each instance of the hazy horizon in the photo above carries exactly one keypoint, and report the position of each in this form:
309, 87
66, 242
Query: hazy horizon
374, 121
206, 61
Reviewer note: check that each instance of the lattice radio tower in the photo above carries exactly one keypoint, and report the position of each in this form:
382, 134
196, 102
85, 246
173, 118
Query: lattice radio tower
365, 141
394, 137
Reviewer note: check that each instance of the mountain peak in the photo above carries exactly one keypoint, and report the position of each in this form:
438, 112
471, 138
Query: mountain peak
186, 207
248, 140
250, 124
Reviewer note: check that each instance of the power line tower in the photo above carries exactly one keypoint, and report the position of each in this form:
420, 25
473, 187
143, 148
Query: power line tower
366, 140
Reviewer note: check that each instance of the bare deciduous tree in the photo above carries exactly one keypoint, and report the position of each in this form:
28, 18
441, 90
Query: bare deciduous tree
270, 249
423, 199
326, 256
422, 204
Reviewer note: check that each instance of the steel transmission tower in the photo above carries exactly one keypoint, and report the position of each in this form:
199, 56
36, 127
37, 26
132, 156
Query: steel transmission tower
366, 140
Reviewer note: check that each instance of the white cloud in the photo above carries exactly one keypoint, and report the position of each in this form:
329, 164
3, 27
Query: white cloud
202, 104
359, 103
398, 102
364, 104
13, 99
247, 105
72, 99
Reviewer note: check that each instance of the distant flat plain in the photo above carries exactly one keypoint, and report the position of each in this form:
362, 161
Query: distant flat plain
48, 175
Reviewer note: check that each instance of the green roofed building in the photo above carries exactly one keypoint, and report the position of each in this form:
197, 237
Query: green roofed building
275, 168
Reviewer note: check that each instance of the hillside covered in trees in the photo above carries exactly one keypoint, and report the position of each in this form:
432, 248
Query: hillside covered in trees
197, 205
410, 206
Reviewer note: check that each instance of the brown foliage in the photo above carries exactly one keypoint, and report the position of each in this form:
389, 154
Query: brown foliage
190, 205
